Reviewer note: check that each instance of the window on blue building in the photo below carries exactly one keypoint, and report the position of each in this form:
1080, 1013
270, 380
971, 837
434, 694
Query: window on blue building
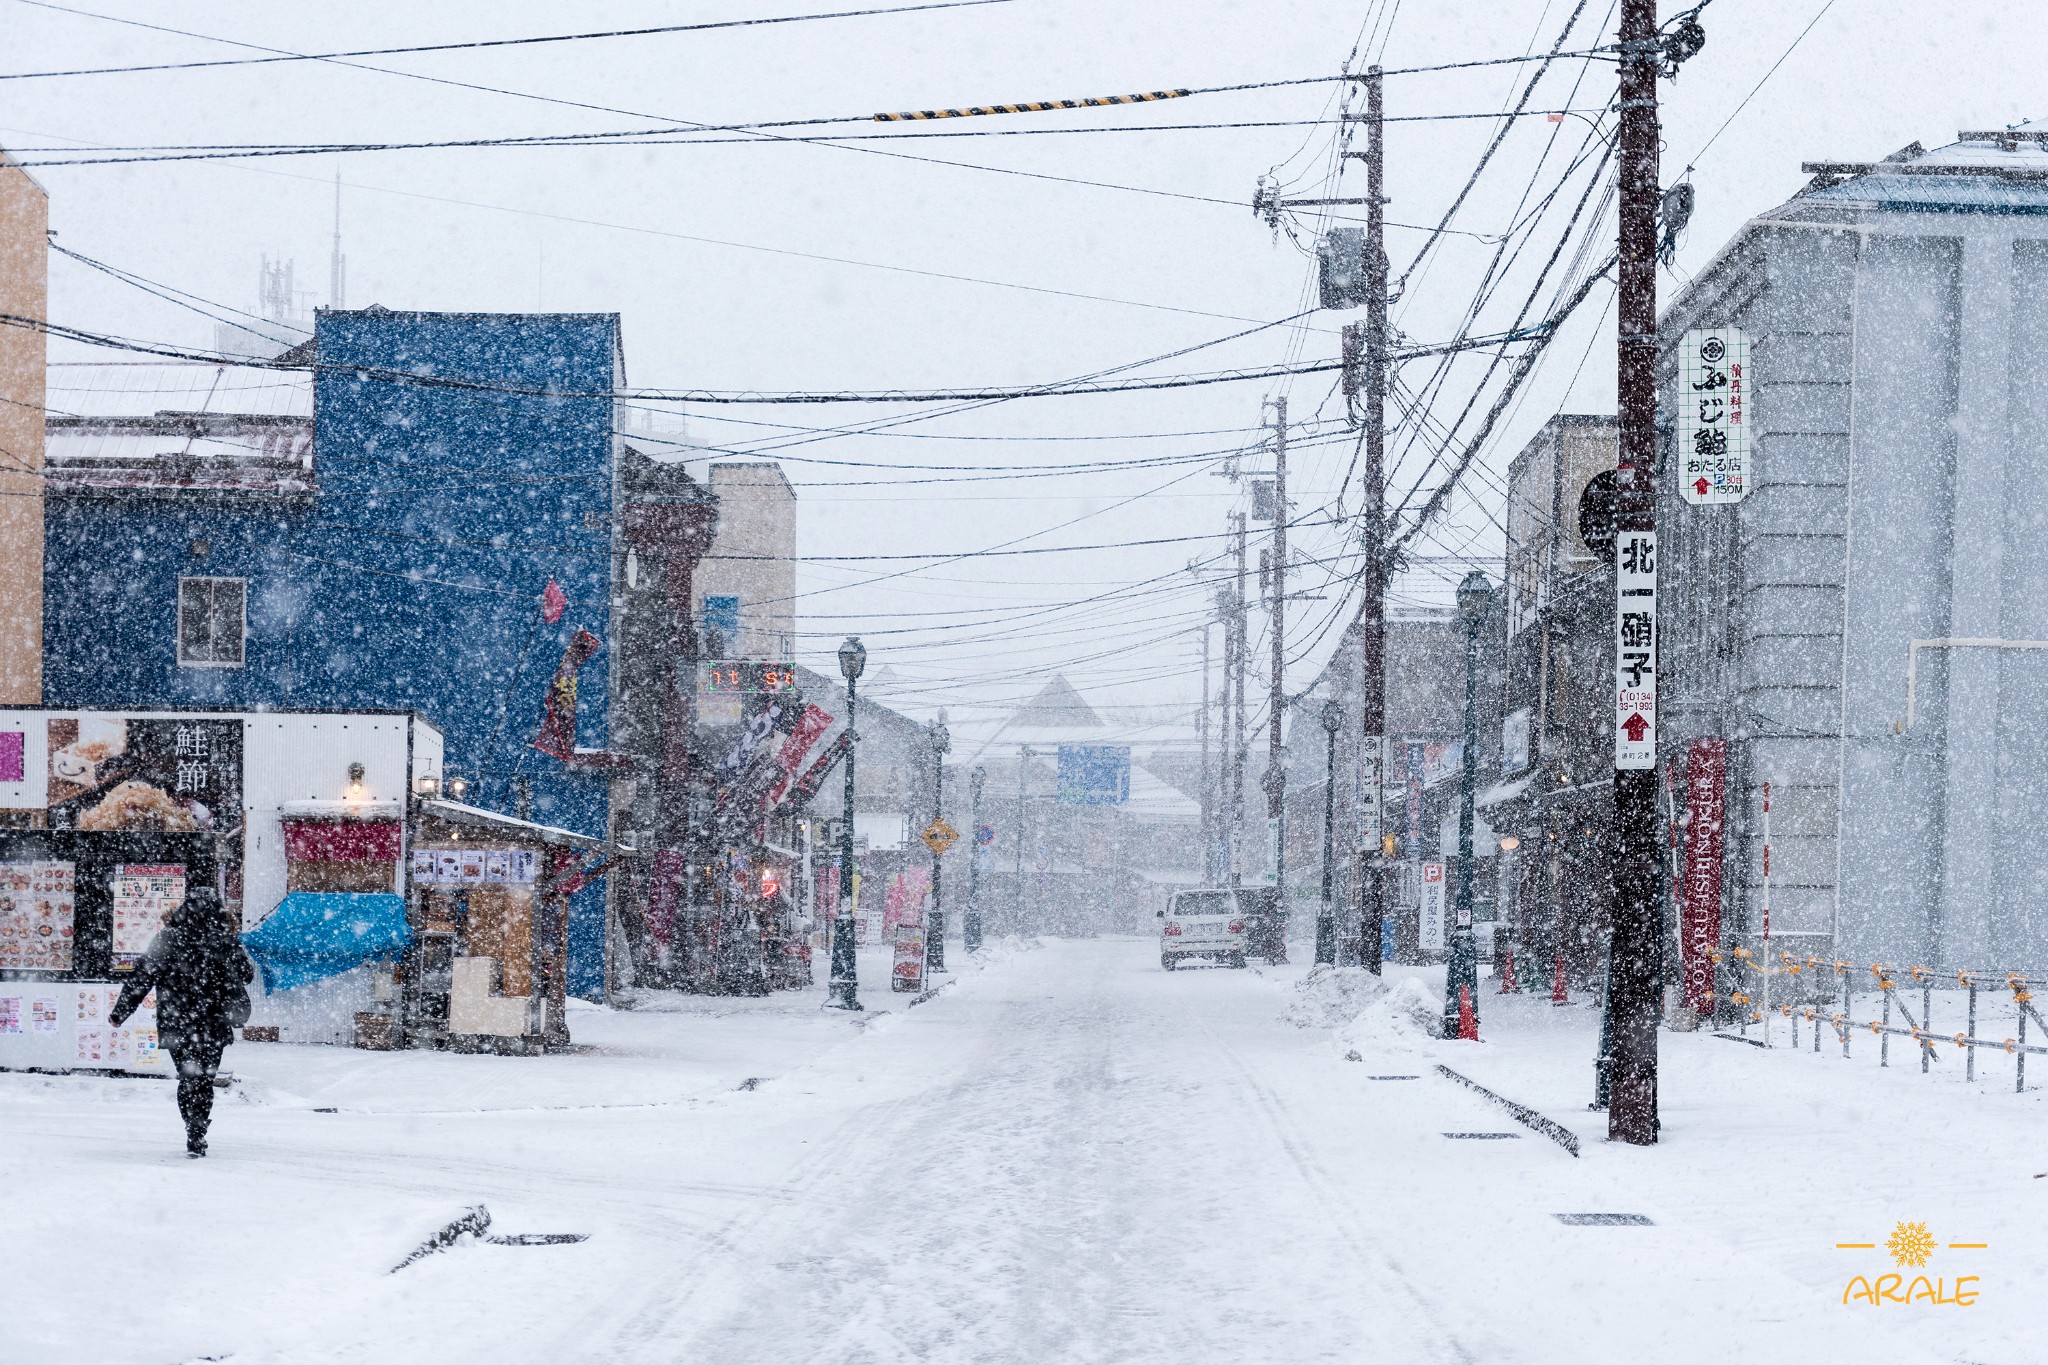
212, 621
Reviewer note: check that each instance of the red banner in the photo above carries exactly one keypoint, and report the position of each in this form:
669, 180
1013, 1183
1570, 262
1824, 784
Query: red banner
1706, 803
809, 726
352, 841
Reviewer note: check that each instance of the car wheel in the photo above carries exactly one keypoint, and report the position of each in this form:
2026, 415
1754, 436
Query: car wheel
1168, 961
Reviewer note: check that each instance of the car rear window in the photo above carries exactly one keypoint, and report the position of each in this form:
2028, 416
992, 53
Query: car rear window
1202, 903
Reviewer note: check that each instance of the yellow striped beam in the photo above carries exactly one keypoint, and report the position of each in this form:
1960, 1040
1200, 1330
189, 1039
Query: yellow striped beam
1039, 107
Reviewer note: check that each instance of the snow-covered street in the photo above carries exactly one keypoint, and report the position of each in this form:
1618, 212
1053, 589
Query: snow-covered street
1067, 1155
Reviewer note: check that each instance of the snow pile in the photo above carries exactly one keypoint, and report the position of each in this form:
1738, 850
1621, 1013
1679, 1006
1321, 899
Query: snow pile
1366, 1010
1405, 1013
1329, 997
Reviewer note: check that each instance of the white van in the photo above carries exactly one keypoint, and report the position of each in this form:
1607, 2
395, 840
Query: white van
1208, 923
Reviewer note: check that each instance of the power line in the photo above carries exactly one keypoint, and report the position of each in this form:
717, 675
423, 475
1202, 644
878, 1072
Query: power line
37, 158
478, 43
408, 379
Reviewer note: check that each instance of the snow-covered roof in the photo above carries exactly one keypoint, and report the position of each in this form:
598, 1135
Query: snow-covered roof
1980, 173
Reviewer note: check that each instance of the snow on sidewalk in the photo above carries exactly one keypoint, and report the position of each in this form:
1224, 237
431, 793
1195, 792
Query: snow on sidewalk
1066, 1155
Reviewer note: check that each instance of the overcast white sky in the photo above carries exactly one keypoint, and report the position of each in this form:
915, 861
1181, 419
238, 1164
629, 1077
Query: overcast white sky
673, 238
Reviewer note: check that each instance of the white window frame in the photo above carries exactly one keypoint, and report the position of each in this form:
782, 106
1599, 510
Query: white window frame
178, 623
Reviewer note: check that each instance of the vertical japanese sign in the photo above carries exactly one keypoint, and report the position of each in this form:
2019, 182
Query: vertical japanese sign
1713, 416
1431, 927
1370, 794
1699, 931
1411, 795
1635, 649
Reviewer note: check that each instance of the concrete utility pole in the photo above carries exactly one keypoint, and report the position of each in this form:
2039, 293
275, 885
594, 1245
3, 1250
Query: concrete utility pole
1208, 805
1638, 937
1276, 767
1372, 636
970, 925
1017, 880
1239, 749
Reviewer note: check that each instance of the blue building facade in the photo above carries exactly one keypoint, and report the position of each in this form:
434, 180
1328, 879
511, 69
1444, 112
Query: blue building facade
459, 463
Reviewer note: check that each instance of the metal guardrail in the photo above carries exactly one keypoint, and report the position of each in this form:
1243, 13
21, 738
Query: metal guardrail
1889, 979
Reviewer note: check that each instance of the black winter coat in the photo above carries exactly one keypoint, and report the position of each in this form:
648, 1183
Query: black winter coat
200, 972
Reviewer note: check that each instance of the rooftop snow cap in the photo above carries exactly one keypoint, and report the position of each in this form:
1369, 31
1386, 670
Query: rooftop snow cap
2004, 171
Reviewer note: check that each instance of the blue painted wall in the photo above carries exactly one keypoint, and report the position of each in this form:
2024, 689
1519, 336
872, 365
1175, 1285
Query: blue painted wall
410, 580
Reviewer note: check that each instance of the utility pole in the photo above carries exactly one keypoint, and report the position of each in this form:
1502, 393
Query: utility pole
970, 925
1372, 635
1637, 927
1239, 752
1208, 805
1017, 881
1276, 768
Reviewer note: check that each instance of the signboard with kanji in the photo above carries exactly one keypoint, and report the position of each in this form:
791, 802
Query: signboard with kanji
1714, 421
939, 836
1635, 649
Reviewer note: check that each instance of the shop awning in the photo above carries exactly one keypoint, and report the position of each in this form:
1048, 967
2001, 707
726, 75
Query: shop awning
314, 935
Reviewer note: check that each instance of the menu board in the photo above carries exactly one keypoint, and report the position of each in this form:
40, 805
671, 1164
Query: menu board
144, 895
98, 1043
473, 866
38, 904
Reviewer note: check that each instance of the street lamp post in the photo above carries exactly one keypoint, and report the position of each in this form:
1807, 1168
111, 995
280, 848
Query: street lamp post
1326, 917
845, 991
970, 923
935, 932
1461, 978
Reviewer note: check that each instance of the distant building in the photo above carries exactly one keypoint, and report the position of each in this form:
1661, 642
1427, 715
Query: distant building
1553, 788
746, 588
24, 292
1863, 630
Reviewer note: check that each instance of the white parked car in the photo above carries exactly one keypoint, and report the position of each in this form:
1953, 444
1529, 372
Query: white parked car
1202, 924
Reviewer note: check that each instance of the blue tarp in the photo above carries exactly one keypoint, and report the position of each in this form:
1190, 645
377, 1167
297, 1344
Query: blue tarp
314, 935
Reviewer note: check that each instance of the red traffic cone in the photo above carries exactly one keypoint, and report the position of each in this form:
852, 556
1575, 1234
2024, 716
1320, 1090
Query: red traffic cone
1558, 996
1468, 1023
1507, 973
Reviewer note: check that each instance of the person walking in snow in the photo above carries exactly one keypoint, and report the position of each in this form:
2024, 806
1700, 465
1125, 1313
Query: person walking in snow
200, 972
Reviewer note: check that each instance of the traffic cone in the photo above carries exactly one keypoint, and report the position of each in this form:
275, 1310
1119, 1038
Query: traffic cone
1507, 974
1468, 1024
1558, 995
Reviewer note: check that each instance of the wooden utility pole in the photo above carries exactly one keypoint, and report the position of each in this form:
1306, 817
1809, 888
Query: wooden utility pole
1372, 635
1637, 942
1276, 763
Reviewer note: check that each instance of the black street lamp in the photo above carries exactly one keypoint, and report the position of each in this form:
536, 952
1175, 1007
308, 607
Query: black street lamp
970, 923
1326, 917
935, 932
1462, 973
845, 989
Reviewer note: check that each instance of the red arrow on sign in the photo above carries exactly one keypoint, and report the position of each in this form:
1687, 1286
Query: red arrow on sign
1635, 727
1700, 487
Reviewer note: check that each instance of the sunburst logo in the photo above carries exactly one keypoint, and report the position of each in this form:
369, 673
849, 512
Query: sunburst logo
1910, 1244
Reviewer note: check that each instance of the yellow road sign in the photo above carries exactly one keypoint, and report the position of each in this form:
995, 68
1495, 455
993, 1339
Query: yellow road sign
939, 836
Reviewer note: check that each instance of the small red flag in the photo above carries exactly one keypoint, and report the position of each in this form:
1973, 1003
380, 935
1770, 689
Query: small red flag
553, 602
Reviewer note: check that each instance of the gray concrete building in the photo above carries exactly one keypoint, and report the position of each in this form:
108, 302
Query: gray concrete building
1890, 557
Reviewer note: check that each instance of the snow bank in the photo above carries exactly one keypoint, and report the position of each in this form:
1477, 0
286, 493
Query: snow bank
1365, 1010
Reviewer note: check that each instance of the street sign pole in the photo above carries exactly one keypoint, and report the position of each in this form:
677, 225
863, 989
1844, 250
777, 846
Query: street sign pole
1637, 938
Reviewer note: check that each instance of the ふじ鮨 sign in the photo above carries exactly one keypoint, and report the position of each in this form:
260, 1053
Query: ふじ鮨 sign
1714, 418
